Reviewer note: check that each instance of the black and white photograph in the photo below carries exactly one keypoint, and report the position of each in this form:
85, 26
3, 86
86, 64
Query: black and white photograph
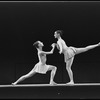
49, 49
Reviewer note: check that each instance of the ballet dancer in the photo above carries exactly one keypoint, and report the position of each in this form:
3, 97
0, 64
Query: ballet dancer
69, 52
41, 67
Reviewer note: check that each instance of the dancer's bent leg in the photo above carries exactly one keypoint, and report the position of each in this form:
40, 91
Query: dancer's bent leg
53, 72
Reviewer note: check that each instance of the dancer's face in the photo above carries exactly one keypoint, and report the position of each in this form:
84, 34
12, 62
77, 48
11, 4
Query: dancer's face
56, 35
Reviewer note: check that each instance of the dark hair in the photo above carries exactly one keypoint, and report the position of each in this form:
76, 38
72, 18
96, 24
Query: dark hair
36, 44
59, 32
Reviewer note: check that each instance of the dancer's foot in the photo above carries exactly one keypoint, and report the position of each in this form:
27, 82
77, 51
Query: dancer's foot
53, 83
70, 83
13, 83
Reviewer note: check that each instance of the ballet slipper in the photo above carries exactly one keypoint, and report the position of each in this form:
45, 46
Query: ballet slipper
70, 83
53, 83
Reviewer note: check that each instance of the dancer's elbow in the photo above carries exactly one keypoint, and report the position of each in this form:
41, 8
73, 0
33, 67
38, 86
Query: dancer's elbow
51, 52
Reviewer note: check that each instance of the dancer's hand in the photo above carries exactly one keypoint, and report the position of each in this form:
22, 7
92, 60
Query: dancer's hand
53, 45
99, 44
60, 52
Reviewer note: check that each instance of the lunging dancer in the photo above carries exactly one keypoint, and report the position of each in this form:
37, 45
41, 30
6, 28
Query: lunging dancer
41, 67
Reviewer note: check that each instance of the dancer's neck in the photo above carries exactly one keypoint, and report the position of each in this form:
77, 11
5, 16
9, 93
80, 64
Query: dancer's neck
40, 49
59, 38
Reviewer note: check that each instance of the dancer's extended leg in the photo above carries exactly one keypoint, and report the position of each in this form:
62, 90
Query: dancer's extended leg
81, 50
31, 73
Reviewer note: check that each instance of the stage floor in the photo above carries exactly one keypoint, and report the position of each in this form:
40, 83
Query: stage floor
44, 85
46, 91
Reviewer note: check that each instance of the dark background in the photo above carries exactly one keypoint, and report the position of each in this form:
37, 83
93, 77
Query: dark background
23, 23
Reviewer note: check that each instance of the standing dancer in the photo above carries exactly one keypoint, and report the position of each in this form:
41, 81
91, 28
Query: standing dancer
70, 52
41, 66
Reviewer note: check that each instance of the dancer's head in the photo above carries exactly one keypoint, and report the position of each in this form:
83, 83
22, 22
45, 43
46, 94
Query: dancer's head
38, 44
58, 33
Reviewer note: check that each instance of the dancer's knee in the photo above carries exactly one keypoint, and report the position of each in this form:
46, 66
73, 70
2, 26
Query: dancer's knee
25, 76
54, 68
68, 68
51, 67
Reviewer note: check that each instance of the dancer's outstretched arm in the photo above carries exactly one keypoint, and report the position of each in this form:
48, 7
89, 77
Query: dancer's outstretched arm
50, 52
